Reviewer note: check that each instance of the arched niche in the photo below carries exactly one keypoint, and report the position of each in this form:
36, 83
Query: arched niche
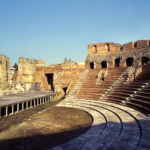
104, 64
145, 60
129, 61
92, 65
117, 62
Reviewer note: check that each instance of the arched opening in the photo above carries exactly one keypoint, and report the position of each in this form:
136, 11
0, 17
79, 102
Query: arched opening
104, 64
129, 61
117, 62
144, 60
135, 45
92, 65
50, 80
95, 48
108, 47
65, 90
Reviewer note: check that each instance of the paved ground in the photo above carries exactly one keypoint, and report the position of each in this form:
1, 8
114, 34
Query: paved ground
45, 129
14, 98
114, 127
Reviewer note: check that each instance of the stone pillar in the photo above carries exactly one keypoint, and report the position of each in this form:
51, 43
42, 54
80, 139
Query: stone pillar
40, 100
26, 105
30, 103
37, 101
34, 102
6, 111
22, 106
43, 99
17, 107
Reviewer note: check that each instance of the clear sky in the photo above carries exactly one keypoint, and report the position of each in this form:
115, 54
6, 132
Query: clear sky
58, 29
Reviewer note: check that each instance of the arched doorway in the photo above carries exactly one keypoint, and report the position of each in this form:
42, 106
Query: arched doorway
65, 90
92, 65
104, 64
117, 62
50, 79
129, 61
144, 60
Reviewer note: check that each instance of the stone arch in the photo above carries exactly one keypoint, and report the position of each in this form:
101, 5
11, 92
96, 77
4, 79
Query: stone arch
135, 45
145, 60
92, 65
129, 61
117, 62
50, 77
104, 64
95, 48
108, 47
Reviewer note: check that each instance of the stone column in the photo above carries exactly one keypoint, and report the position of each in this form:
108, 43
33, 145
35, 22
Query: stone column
22, 106
43, 100
6, 111
40, 100
26, 105
12, 112
17, 107
34, 102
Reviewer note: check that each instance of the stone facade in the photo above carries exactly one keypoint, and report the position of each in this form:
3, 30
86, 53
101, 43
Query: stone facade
5, 75
27, 69
109, 55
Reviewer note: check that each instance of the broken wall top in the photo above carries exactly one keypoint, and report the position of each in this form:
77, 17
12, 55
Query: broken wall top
36, 62
109, 47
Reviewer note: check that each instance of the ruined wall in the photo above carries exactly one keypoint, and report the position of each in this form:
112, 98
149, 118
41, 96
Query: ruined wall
27, 69
69, 64
109, 52
5, 74
101, 48
62, 76
108, 47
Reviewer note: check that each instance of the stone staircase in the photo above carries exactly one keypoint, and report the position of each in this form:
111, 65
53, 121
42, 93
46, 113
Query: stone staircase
78, 85
111, 89
135, 94
114, 127
91, 90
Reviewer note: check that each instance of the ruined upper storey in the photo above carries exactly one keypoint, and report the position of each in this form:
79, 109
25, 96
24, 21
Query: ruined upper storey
109, 47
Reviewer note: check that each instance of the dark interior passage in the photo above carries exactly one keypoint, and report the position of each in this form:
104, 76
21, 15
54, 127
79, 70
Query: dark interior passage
104, 64
65, 90
129, 61
50, 80
92, 65
144, 60
117, 62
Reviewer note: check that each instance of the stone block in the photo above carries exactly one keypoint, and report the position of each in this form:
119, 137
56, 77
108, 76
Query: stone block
142, 44
102, 48
91, 49
128, 46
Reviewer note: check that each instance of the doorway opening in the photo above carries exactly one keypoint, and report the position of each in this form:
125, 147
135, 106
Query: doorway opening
144, 60
92, 65
104, 64
129, 61
117, 62
65, 90
50, 80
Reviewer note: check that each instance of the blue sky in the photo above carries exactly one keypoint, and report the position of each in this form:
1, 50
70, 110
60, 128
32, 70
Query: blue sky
58, 29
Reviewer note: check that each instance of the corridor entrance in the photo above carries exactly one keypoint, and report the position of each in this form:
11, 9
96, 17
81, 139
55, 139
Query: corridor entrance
50, 80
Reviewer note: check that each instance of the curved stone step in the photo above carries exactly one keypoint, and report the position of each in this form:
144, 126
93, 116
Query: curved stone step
117, 127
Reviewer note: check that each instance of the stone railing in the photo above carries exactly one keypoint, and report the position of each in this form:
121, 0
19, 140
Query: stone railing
22, 105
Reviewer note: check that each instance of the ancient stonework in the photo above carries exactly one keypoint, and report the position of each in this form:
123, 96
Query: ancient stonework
27, 69
5, 75
110, 55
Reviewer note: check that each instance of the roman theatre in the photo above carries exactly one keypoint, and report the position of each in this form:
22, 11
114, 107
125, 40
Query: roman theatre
112, 85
